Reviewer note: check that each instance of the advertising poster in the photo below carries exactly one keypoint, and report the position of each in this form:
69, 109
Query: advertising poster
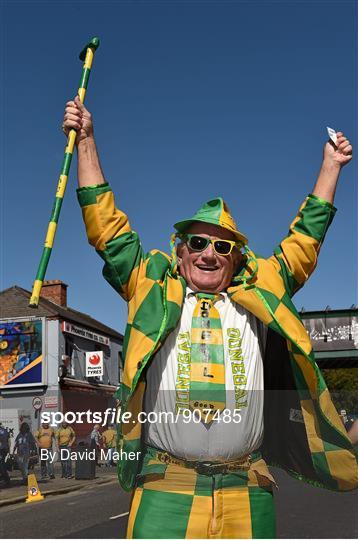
11, 419
94, 364
21, 353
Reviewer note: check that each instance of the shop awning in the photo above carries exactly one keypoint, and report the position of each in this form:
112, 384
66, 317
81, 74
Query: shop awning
67, 383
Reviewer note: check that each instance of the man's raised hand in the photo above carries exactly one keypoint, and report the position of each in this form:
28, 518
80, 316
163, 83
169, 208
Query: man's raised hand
338, 154
79, 118
335, 156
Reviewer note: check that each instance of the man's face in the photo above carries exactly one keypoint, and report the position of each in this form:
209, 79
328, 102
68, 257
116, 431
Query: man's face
206, 271
45, 426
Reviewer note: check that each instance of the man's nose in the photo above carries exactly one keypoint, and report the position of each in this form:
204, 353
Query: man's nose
209, 253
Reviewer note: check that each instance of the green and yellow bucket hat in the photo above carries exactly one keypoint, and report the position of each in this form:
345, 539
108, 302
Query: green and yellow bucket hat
215, 212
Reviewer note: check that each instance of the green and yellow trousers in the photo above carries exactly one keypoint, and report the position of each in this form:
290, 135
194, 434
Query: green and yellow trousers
174, 500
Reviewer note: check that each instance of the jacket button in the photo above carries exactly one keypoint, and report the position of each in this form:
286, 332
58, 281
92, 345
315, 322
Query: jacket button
139, 365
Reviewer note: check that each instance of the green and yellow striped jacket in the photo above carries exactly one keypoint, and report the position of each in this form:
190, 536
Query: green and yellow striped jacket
316, 447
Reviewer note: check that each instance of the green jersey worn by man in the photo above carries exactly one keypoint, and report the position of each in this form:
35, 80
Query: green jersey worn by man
214, 340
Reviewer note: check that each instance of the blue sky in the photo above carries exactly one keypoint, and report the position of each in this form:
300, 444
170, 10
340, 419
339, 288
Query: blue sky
191, 100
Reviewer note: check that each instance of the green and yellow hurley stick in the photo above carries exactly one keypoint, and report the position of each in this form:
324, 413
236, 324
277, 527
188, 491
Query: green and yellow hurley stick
87, 55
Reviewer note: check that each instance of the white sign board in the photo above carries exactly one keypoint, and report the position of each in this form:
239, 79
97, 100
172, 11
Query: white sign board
51, 402
83, 332
94, 364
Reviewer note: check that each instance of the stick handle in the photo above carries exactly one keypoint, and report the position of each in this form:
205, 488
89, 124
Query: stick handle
87, 55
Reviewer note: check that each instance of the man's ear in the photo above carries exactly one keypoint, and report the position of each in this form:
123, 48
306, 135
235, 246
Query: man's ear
179, 253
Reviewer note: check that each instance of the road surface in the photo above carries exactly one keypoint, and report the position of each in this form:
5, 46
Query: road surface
102, 512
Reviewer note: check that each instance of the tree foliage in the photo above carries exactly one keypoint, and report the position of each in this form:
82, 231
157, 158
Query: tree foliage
343, 385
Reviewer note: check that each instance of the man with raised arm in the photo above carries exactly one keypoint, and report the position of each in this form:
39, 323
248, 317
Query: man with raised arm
214, 341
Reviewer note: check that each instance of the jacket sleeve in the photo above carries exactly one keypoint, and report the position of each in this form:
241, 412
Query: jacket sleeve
108, 230
296, 256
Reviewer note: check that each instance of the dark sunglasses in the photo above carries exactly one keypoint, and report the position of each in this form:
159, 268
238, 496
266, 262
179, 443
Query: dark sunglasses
199, 243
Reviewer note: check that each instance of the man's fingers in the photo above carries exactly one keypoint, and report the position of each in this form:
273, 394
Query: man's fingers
70, 119
343, 144
80, 105
71, 124
75, 116
73, 110
348, 150
72, 116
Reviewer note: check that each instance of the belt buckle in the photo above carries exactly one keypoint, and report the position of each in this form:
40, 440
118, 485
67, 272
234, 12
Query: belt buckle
204, 467
208, 468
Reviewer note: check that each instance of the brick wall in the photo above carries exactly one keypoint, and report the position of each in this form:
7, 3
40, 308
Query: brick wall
56, 291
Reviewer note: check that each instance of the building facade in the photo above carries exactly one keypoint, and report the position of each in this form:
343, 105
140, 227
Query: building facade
43, 362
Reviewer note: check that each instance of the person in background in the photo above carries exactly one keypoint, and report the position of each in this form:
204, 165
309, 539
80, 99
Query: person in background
65, 439
109, 442
4, 450
24, 448
96, 439
45, 437
343, 417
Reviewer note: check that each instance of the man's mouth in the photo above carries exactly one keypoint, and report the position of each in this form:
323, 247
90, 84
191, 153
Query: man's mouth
207, 268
